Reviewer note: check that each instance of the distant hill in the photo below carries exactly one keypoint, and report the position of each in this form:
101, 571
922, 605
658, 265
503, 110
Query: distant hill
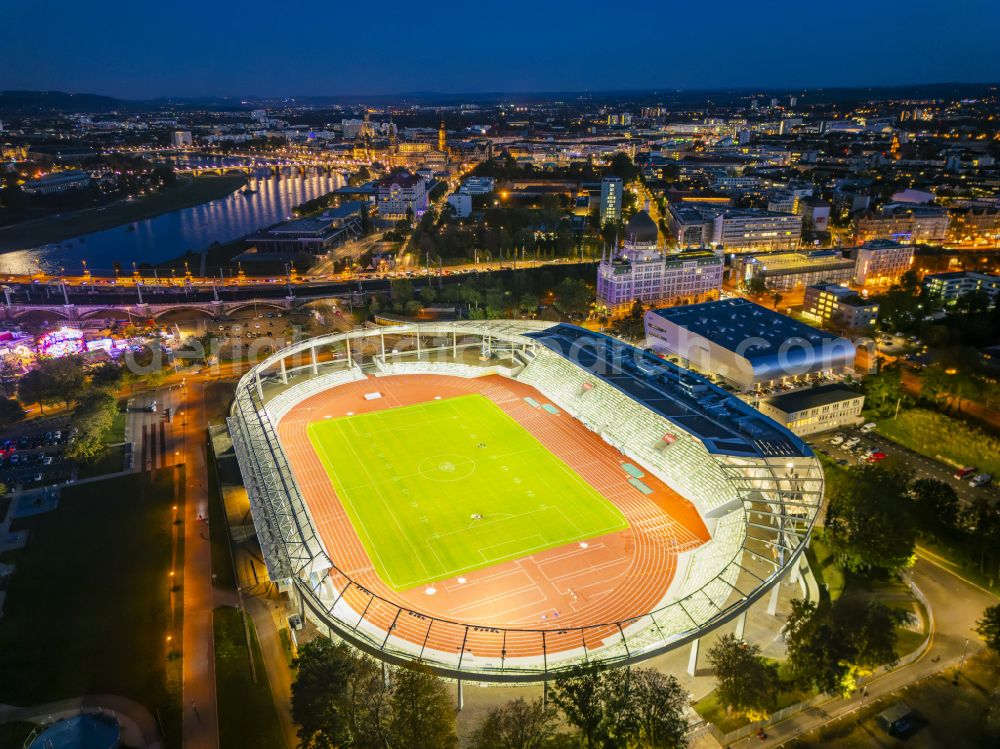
57, 101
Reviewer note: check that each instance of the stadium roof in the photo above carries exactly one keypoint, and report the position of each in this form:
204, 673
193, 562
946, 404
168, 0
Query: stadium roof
725, 424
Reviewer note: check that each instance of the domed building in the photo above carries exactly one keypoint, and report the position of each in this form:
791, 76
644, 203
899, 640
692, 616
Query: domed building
639, 270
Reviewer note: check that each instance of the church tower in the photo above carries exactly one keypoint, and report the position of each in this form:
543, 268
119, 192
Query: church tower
442, 138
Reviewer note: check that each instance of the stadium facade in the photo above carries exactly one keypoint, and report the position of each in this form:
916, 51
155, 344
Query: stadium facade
757, 487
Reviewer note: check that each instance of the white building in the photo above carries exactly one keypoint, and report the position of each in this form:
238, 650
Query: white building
611, 200
640, 272
181, 139
818, 409
746, 344
881, 262
738, 230
478, 186
461, 204
401, 195
71, 179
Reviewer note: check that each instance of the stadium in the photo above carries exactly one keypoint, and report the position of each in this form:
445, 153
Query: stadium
503, 500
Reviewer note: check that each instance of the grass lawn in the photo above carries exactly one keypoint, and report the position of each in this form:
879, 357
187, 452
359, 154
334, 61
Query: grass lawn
709, 708
112, 460
828, 573
933, 434
47, 229
88, 609
222, 564
248, 718
411, 478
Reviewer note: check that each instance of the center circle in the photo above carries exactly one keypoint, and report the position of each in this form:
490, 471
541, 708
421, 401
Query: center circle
447, 467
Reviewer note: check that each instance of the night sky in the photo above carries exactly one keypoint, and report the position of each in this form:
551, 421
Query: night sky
142, 49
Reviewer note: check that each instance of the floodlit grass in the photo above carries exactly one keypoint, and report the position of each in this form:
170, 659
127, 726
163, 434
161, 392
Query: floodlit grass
88, 609
411, 478
248, 718
708, 707
933, 434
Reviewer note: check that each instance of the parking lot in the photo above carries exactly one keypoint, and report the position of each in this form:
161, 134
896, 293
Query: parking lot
33, 457
920, 466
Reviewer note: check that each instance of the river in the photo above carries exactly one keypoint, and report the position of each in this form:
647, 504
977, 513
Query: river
170, 235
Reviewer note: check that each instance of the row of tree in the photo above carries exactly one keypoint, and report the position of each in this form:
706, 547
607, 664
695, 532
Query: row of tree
344, 699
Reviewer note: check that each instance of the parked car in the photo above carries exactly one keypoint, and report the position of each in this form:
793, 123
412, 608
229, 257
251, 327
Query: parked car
980, 479
837, 440
852, 442
869, 427
875, 457
963, 473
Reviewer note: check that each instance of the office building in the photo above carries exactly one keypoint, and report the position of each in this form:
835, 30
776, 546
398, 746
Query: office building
640, 272
881, 262
746, 344
746, 230
818, 409
950, 287
691, 223
815, 214
401, 195
833, 303
181, 139
313, 234
611, 200
787, 271
478, 186
905, 223
461, 204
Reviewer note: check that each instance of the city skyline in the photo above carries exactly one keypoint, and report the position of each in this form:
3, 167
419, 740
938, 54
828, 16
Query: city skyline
150, 53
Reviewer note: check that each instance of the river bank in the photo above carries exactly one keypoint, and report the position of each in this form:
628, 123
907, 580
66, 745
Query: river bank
52, 229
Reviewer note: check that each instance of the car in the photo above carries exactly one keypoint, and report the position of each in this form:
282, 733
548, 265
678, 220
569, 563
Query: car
962, 473
980, 479
842, 462
869, 427
38, 478
852, 442
47, 460
876, 457
837, 440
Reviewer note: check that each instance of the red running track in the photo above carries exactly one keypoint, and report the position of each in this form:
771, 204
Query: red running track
617, 577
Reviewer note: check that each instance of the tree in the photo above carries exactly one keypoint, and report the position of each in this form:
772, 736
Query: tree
869, 521
53, 381
578, 695
747, 682
817, 653
885, 388
829, 645
319, 705
659, 704
93, 416
935, 503
108, 376
422, 714
989, 628
633, 325
573, 296
370, 700
517, 725
11, 412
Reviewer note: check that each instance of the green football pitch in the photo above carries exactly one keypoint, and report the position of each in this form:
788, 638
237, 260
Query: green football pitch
450, 486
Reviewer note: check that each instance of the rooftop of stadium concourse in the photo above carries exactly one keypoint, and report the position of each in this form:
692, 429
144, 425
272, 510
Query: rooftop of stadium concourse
724, 423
